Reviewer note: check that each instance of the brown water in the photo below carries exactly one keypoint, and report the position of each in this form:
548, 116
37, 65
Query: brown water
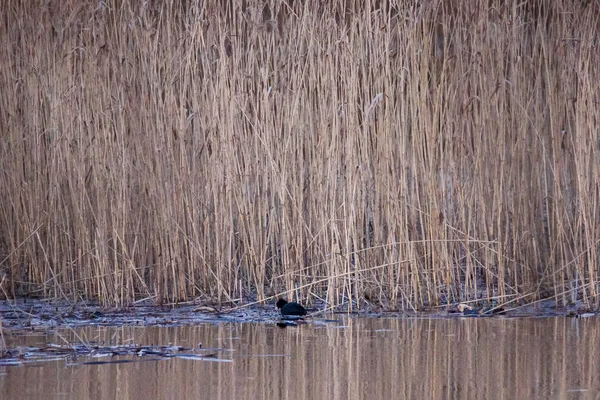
463, 358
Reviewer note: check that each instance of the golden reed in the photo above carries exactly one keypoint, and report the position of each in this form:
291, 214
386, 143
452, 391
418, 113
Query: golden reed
407, 155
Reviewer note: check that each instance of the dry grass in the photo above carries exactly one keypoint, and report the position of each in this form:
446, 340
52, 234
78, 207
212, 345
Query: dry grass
407, 155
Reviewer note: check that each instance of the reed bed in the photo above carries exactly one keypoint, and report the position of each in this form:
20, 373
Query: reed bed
407, 154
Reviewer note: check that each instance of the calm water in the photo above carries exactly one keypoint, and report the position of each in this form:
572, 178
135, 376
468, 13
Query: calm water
467, 358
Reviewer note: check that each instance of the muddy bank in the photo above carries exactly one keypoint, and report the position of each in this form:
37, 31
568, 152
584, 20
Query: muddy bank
38, 315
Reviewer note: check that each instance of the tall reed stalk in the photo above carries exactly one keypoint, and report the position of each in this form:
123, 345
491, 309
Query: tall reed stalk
407, 153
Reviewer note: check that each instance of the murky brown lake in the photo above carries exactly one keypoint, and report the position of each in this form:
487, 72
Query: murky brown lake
458, 358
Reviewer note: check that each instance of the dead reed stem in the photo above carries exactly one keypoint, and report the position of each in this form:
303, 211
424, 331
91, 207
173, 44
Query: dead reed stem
408, 155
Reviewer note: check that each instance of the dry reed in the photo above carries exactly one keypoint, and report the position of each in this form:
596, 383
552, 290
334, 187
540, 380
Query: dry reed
407, 153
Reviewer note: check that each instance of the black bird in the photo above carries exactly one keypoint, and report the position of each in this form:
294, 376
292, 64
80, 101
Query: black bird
291, 310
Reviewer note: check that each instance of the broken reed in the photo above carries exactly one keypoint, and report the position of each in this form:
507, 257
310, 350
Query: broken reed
406, 155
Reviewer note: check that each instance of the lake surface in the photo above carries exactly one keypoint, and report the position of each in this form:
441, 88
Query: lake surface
357, 358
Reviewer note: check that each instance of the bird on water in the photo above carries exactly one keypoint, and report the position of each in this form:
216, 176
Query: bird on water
291, 310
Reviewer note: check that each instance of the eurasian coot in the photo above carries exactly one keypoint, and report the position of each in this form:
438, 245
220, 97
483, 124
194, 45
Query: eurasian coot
291, 309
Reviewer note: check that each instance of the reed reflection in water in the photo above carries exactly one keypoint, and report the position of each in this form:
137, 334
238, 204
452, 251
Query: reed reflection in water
479, 358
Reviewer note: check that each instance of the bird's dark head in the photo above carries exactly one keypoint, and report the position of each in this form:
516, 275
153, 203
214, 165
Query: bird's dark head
281, 303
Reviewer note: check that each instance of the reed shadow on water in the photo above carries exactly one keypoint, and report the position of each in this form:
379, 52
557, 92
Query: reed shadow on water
356, 358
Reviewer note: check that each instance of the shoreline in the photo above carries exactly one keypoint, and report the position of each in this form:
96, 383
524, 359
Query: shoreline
25, 315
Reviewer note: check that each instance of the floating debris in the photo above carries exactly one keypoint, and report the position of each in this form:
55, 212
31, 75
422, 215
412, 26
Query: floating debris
201, 358
285, 323
470, 311
74, 351
207, 309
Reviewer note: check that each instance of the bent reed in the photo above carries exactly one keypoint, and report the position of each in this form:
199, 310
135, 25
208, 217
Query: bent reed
407, 154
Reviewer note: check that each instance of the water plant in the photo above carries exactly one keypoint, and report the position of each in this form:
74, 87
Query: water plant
402, 153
